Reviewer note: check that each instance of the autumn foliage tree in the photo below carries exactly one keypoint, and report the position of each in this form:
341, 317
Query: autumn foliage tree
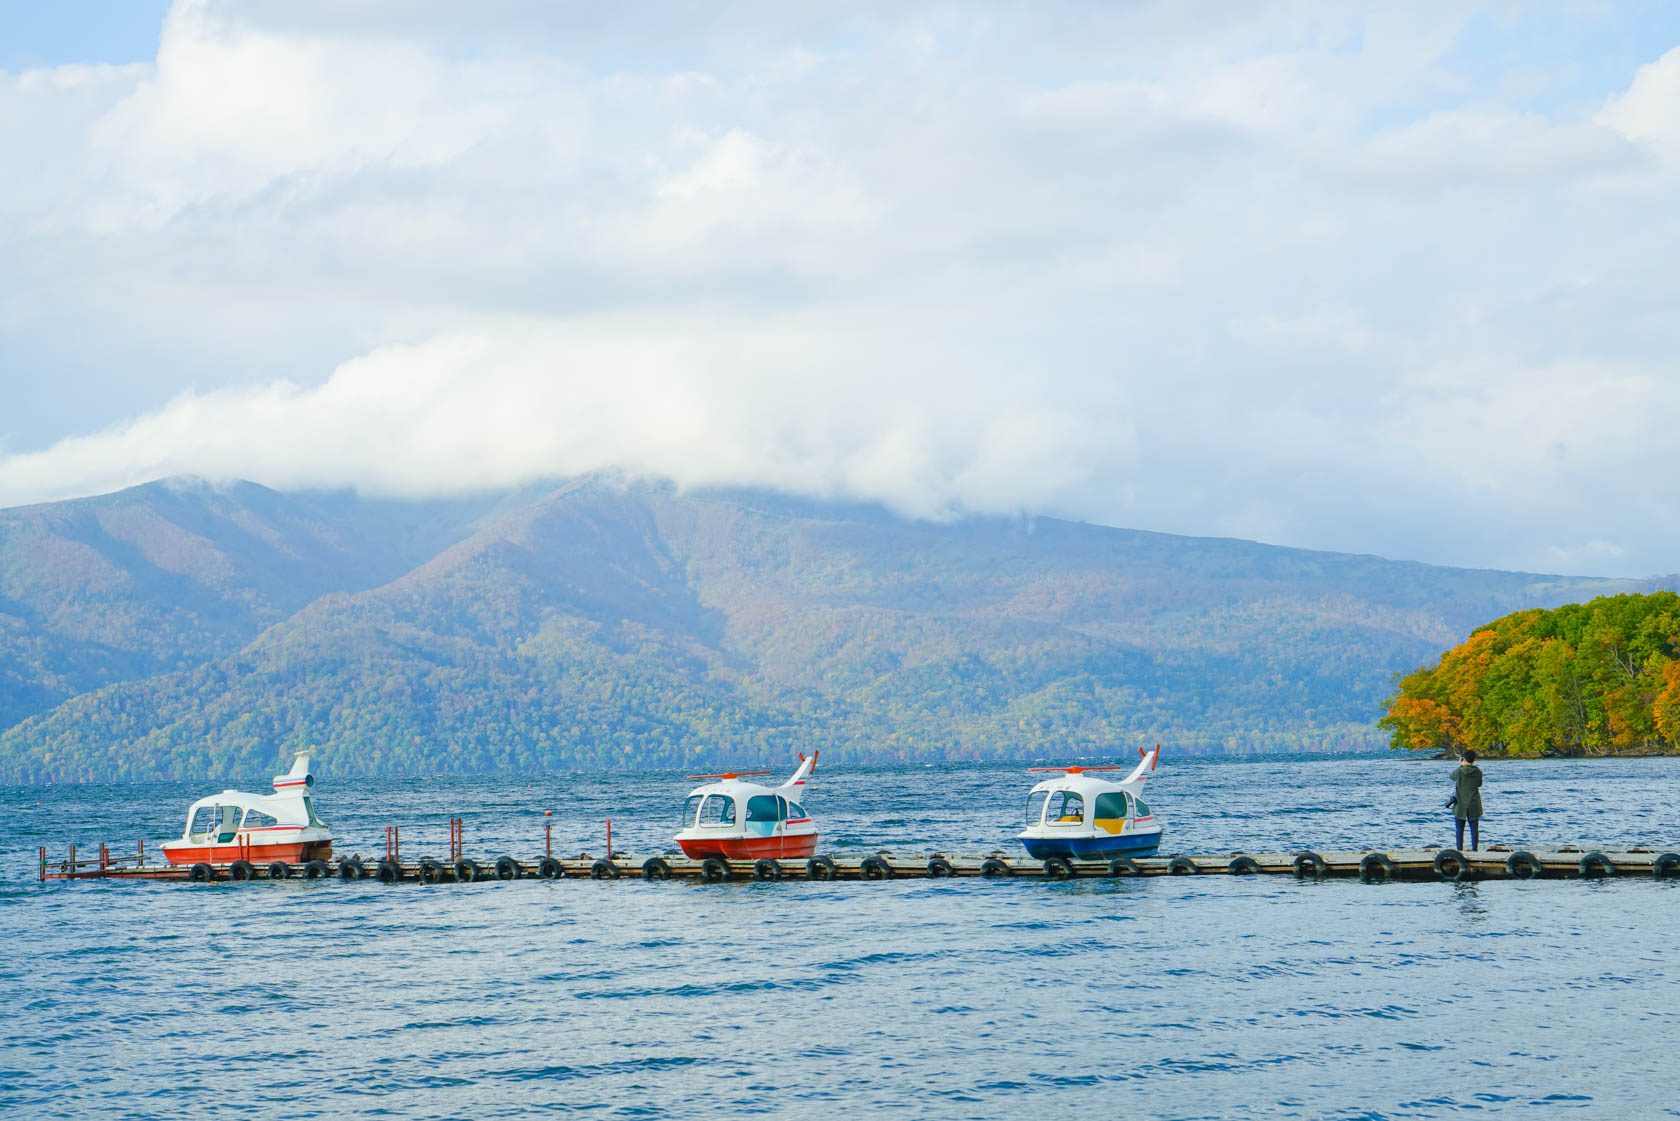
1593, 678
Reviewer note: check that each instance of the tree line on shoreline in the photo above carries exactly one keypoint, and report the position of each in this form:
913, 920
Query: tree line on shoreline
1587, 679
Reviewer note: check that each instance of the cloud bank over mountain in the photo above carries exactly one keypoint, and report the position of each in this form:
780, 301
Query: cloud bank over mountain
1398, 283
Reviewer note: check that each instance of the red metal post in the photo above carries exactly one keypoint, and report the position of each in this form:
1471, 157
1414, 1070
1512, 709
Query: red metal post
609, 838
104, 857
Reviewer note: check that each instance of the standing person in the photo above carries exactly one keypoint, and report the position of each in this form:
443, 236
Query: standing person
1466, 801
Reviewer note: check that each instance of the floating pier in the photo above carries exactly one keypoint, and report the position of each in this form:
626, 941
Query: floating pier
1370, 866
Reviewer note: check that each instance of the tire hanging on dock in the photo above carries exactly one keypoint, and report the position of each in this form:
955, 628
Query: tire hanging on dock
1376, 868
1243, 866
279, 870
821, 868
1666, 865
656, 868
603, 870
507, 868
1124, 866
875, 868
1058, 868
1450, 864
466, 871
242, 870
939, 868
993, 868
388, 871
549, 868
1309, 863
713, 870
431, 871
351, 868
1183, 866
201, 874
1522, 865
316, 869
1596, 864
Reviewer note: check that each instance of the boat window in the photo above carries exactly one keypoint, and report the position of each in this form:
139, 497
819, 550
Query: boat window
227, 824
1142, 808
782, 807
256, 819
1035, 806
204, 821
1110, 806
796, 812
718, 809
1066, 808
691, 811
762, 807
309, 810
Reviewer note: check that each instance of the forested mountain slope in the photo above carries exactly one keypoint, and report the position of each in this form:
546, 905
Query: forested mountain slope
606, 623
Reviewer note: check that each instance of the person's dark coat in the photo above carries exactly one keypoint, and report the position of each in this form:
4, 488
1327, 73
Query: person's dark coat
1467, 781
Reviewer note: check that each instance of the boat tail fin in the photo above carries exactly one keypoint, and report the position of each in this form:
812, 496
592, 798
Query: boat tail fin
1146, 765
296, 780
806, 766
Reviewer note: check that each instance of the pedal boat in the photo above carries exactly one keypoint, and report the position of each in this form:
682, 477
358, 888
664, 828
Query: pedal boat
261, 828
1079, 816
739, 820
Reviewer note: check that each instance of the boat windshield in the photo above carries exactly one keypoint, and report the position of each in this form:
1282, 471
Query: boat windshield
763, 807
1112, 806
691, 811
1035, 806
214, 824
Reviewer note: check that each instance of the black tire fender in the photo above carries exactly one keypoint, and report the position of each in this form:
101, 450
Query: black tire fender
993, 868
1595, 864
1058, 868
201, 873
1522, 865
766, 869
875, 868
1450, 864
821, 868
1666, 865
507, 868
939, 868
714, 870
656, 868
466, 870
549, 868
603, 870
1182, 866
1309, 863
1376, 868
388, 871
1243, 866
242, 870
279, 870
351, 869
316, 869
1124, 866
430, 870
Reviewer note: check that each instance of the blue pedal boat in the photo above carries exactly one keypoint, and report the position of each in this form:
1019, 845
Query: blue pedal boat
1082, 817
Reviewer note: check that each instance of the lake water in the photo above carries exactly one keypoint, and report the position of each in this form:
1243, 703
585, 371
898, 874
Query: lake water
1211, 997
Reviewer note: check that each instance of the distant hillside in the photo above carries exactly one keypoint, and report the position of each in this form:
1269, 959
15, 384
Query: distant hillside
609, 624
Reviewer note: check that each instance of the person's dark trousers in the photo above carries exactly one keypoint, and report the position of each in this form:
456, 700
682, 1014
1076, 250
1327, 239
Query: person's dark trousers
1475, 840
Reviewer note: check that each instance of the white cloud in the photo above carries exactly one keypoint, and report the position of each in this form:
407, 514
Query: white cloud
1296, 271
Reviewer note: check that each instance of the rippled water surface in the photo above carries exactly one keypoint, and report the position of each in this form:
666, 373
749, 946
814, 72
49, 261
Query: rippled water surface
1181, 997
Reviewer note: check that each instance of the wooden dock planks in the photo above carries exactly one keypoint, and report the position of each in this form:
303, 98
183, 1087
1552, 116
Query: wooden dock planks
1369, 865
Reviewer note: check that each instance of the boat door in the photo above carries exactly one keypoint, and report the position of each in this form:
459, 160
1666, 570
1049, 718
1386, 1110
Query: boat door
765, 815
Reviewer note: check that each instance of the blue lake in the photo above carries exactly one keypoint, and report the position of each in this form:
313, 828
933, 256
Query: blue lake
1210, 997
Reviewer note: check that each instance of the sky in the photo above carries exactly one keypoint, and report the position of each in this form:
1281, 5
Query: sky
1374, 278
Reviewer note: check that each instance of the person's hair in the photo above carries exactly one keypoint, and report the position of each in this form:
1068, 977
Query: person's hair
1469, 756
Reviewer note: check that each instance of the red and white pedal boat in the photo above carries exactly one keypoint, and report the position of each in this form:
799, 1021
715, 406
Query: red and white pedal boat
234, 825
739, 820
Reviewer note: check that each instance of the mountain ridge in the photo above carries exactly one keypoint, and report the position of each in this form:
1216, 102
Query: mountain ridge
604, 621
